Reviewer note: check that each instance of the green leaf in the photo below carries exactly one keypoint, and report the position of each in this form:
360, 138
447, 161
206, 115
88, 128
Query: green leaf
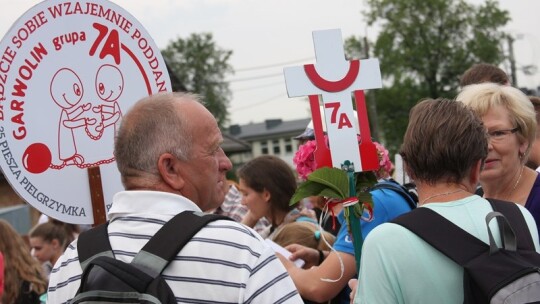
365, 180
329, 193
333, 178
364, 197
311, 188
306, 189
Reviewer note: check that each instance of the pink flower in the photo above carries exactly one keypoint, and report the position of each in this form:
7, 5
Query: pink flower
305, 163
385, 163
304, 159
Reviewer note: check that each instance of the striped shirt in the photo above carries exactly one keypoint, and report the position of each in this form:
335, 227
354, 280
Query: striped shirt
225, 262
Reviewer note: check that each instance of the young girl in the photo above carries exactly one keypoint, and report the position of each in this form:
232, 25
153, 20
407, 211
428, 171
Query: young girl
305, 234
23, 278
267, 184
48, 242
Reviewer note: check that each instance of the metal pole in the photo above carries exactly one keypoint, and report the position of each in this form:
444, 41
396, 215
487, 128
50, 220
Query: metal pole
512, 60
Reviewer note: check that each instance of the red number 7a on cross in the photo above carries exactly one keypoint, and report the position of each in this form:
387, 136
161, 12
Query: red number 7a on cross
343, 120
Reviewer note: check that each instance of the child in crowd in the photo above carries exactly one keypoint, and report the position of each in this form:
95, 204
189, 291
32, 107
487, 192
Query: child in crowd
267, 184
306, 234
48, 241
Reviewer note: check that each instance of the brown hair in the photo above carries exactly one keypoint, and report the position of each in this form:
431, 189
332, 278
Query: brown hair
19, 265
483, 72
274, 175
533, 161
535, 100
50, 231
303, 233
443, 141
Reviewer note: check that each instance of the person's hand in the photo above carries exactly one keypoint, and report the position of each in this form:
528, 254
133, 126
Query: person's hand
353, 284
288, 264
309, 255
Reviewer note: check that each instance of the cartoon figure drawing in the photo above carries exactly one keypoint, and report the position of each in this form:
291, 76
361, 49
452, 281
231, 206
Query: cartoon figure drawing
109, 87
67, 91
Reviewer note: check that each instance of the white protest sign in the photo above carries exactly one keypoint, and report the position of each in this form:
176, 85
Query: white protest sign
335, 78
68, 70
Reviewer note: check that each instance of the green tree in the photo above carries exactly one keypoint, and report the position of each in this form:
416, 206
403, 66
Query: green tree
423, 48
200, 66
358, 48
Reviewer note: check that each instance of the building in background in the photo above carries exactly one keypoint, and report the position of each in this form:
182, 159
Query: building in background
271, 137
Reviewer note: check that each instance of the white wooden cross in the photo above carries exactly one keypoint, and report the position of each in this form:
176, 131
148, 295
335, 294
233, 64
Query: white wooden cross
335, 78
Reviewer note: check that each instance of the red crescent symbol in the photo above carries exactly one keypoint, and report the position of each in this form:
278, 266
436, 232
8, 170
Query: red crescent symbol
333, 86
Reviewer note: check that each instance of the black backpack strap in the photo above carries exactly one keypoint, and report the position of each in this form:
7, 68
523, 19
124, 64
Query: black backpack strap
169, 240
395, 186
454, 242
517, 222
93, 243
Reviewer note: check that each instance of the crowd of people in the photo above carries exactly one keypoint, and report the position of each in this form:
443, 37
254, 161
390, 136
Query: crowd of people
483, 144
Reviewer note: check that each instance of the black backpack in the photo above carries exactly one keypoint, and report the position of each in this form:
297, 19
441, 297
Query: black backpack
491, 275
107, 280
406, 192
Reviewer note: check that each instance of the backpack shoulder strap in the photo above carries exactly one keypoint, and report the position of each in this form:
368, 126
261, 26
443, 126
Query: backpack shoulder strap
169, 240
93, 243
454, 242
395, 186
517, 222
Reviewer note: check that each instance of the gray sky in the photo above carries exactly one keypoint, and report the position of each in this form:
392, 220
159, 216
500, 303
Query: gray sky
275, 34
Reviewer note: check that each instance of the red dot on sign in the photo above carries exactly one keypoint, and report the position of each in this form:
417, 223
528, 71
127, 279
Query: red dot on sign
37, 158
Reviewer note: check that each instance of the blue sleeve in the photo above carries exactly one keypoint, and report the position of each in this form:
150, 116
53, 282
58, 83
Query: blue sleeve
387, 205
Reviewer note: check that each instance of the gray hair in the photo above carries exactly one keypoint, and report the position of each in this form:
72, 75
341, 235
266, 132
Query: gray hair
155, 125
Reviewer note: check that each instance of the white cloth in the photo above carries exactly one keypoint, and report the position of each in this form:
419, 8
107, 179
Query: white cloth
225, 262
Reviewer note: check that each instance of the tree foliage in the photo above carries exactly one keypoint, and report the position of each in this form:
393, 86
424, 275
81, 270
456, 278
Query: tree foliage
423, 48
200, 67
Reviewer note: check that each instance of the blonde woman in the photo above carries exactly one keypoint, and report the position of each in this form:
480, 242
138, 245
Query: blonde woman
510, 121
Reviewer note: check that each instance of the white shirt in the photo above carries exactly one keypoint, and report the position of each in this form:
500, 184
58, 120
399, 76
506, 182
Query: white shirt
225, 262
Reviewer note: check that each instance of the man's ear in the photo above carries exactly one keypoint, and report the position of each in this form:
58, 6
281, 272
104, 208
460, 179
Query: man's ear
169, 169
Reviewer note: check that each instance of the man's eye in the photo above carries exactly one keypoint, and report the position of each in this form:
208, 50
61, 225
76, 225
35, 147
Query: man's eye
497, 133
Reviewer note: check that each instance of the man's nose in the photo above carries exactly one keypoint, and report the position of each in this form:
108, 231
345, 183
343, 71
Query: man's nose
225, 163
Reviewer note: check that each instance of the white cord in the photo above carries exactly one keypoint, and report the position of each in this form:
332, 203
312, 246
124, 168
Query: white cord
324, 215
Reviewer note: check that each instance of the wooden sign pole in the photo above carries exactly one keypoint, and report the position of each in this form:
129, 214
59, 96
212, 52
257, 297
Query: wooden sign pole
96, 194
